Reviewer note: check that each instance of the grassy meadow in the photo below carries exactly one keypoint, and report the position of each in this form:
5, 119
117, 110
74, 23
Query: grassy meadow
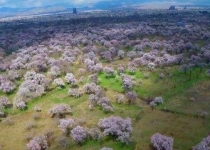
177, 117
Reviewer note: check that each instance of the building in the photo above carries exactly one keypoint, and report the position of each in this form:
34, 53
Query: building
74, 11
172, 8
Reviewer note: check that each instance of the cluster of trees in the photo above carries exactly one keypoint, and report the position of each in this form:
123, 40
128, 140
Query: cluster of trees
6, 85
45, 54
116, 127
33, 86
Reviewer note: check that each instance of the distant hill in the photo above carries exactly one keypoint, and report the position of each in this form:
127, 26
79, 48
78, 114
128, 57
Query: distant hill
65, 7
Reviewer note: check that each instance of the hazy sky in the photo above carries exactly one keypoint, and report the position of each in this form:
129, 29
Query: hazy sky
38, 3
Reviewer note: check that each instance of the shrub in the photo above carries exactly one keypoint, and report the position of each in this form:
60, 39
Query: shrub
208, 72
36, 116
63, 141
8, 121
4, 102
70, 78
121, 54
93, 99
90, 88
184, 68
158, 100
29, 136
21, 105
107, 108
106, 148
151, 66
131, 54
30, 89
75, 92
2, 115
109, 72
98, 68
37, 108
66, 125
7, 86
13, 74
95, 134
121, 69
203, 145
131, 96
59, 82
107, 56
119, 98
127, 83
33, 86
131, 69
105, 103
161, 75
78, 134
38, 143
60, 110
54, 71
117, 127
30, 125
146, 75
93, 78
161, 142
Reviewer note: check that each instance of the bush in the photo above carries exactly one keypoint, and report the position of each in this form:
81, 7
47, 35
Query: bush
7, 86
105, 103
30, 125
8, 121
151, 66
203, 145
161, 75
66, 125
59, 82
75, 93
109, 72
70, 78
4, 102
29, 136
54, 71
158, 100
106, 148
146, 75
90, 88
127, 82
21, 105
36, 116
117, 127
60, 110
78, 134
161, 142
63, 141
37, 108
38, 143
131, 96
119, 99
95, 134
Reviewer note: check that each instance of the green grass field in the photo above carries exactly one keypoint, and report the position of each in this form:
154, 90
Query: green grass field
174, 118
